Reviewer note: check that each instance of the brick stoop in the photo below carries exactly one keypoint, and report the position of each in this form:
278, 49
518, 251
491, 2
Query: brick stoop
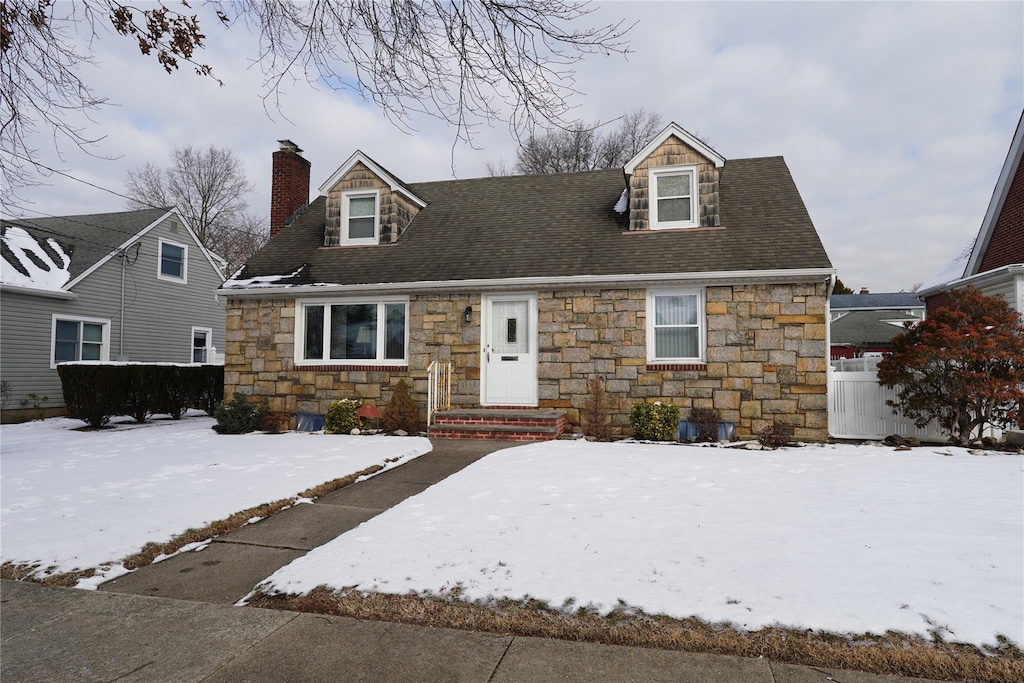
507, 424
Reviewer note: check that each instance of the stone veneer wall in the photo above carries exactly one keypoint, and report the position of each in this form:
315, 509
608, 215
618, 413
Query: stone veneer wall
765, 345
674, 152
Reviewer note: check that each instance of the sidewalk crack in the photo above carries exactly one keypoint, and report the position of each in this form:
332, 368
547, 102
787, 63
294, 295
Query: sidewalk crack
501, 659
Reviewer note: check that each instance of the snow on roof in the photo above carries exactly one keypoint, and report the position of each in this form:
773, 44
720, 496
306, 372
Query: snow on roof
953, 269
623, 203
35, 264
260, 281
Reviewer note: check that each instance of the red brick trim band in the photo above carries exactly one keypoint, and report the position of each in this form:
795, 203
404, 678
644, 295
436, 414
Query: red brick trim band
677, 366
351, 368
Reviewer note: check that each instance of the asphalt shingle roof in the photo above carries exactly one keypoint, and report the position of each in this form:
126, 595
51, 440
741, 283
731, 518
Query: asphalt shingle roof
86, 238
880, 300
554, 226
864, 327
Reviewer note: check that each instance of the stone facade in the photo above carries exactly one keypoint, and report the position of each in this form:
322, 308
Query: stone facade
674, 152
396, 210
766, 356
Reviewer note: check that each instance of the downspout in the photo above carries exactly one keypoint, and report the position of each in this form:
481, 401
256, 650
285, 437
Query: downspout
120, 333
828, 317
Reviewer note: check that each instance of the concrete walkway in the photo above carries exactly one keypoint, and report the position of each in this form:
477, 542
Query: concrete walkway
172, 621
230, 567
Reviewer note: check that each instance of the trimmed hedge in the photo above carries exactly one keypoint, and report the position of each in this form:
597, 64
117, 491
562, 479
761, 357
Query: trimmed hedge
95, 392
655, 421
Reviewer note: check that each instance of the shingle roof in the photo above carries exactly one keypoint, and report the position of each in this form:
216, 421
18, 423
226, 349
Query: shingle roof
554, 226
881, 300
85, 238
864, 327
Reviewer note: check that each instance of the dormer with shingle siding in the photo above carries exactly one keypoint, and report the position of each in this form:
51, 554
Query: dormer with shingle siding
674, 183
366, 205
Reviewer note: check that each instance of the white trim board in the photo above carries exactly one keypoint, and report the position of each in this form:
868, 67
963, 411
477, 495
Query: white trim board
378, 170
677, 130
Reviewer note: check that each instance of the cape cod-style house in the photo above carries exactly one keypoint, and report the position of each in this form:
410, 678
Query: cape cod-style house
682, 277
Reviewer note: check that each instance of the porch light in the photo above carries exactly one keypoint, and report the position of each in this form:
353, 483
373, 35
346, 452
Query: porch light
468, 315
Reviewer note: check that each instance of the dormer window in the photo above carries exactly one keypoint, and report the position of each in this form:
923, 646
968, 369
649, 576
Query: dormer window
360, 217
674, 197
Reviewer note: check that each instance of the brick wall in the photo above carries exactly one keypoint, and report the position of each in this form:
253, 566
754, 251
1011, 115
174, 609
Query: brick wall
289, 187
1006, 245
767, 358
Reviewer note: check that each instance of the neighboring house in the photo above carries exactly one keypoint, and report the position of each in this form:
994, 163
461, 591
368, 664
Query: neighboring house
993, 262
865, 323
133, 285
683, 277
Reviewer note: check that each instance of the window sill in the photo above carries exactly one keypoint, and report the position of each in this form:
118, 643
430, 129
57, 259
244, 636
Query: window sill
168, 278
357, 245
349, 367
696, 228
657, 365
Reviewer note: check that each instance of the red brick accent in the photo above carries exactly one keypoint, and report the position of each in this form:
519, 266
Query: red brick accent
352, 368
933, 303
677, 366
1006, 245
289, 186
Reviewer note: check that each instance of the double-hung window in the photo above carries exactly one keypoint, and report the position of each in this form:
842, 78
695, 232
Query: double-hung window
79, 339
358, 332
674, 197
173, 262
675, 326
360, 217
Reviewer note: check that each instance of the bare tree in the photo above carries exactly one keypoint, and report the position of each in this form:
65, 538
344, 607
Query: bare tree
463, 62
583, 147
208, 187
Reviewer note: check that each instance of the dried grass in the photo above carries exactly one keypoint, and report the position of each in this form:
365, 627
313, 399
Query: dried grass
892, 653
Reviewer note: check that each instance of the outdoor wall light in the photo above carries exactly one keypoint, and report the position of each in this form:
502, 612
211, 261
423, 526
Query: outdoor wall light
468, 315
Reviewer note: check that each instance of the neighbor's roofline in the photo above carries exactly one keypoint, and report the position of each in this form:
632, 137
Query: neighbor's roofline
736, 276
394, 183
980, 278
35, 291
995, 205
677, 130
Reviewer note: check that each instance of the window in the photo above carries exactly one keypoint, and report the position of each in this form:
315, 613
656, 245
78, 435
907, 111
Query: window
202, 342
359, 217
79, 339
674, 197
173, 262
675, 326
358, 332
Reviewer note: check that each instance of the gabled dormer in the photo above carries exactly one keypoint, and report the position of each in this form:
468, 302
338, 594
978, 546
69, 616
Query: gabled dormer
674, 183
366, 205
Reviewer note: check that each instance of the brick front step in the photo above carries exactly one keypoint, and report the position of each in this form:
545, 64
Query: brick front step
505, 424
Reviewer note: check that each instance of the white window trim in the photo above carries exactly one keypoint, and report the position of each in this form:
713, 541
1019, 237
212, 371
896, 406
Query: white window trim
702, 325
300, 331
652, 190
105, 346
355, 194
209, 344
160, 261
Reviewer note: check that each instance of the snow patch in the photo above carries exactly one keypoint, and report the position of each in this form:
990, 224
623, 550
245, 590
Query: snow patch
623, 203
51, 276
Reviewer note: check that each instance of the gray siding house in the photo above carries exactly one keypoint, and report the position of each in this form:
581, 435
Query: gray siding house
133, 285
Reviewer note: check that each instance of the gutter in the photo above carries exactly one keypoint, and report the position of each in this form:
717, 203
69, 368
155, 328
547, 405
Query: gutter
520, 283
33, 291
980, 278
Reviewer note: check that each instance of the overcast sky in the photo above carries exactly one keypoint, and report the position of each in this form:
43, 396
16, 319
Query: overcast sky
894, 118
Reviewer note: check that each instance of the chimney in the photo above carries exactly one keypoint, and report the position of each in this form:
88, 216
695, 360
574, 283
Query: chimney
289, 184
863, 290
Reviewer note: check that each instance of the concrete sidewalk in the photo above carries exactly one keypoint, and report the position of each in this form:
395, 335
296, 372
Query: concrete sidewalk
231, 566
54, 635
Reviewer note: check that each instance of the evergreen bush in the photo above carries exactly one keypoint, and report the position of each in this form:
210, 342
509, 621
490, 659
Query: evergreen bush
93, 393
596, 414
341, 416
401, 411
656, 421
239, 415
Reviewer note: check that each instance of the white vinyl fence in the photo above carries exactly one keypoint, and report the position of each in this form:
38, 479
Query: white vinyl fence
857, 409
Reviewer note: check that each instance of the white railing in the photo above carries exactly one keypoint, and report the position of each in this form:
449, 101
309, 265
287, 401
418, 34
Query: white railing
439, 388
866, 364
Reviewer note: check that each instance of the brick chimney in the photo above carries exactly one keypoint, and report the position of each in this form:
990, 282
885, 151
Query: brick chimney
289, 184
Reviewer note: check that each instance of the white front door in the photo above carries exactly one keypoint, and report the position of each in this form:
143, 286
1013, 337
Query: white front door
509, 350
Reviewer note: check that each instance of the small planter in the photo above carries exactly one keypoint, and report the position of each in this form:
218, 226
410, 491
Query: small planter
688, 431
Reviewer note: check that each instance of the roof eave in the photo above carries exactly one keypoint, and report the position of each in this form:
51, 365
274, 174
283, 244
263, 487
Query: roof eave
677, 130
35, 291
979, 279
381, 172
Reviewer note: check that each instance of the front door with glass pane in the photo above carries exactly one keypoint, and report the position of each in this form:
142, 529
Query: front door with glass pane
509, 350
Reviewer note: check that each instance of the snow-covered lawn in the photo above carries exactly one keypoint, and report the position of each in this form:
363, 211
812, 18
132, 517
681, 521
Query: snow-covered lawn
844, 538
75, 500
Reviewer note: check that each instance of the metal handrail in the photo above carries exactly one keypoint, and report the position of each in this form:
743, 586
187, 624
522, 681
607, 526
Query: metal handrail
439, 388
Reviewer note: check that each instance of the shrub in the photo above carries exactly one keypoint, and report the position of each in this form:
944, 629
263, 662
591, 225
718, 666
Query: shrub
239, 415
705, 421
138, 390
207, 389
596, 417
341, 416
401, 412
654, 421
92, 393
776, 435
